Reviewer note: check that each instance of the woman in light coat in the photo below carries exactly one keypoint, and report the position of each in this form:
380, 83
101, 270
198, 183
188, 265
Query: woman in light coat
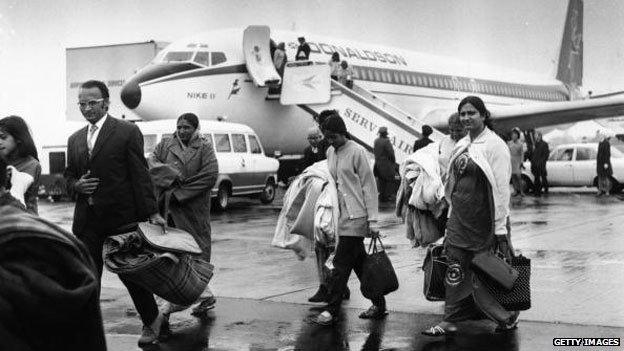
358, 211
478, 195
186, 194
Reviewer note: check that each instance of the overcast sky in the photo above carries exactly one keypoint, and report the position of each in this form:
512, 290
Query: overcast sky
523, 35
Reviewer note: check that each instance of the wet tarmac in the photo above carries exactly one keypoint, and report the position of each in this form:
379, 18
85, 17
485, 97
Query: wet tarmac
574, 239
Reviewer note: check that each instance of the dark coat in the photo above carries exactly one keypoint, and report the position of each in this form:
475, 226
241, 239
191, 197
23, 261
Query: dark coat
49, 299
310, 158
303, 52
604, 158
420, 143
384, 158
197, 169
124, 194
540, 156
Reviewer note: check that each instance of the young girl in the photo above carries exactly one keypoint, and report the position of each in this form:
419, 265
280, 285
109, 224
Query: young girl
18, 149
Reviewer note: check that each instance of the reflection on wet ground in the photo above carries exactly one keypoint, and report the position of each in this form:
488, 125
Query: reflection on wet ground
575, 242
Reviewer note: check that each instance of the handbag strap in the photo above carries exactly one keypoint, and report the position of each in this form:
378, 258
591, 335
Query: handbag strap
373, 245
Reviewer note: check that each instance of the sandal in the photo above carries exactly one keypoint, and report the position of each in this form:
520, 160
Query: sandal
324, 320
513, 324
436, 330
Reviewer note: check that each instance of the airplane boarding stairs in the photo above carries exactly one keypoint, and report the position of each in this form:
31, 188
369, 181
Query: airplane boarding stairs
364, 112
308, 85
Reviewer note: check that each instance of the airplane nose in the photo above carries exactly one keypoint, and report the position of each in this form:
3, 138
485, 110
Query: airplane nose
131, 94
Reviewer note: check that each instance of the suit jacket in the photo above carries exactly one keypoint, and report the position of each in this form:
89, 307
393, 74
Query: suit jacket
124, 194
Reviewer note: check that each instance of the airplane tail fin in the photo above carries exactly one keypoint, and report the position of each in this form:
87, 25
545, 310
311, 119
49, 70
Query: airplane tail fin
570, 70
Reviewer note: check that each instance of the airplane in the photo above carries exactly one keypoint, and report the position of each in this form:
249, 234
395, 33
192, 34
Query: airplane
208, 74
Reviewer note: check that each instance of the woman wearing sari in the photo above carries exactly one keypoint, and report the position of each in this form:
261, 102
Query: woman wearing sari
478, 193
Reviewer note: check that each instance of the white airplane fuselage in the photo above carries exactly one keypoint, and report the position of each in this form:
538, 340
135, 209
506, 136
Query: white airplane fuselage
426, 86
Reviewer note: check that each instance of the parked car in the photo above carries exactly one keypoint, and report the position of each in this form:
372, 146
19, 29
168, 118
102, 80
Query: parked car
575, 165
244, 170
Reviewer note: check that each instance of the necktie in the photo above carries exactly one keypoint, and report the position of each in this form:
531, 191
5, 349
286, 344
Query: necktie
90, 138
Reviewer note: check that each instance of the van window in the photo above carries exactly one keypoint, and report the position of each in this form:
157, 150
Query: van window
167, 136
149, 143
178, 56
562, 154
208, 138
202, 58
222, 142
239, 143
217, 58
254, 145
57, 162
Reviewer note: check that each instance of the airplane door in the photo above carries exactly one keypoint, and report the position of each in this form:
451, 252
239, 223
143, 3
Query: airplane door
256, 46
560, 172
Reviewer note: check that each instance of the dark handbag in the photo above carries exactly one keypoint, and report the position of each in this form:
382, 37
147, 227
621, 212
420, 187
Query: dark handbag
495, 267
434, 266
519, 297
378, 276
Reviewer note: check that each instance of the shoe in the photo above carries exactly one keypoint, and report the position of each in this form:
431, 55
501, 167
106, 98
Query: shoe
437, 330
206, 305
148, 337
374, 312
324, 319
320, 295
511, 325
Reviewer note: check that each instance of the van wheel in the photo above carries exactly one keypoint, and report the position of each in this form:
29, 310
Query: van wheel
223, 198
268, 193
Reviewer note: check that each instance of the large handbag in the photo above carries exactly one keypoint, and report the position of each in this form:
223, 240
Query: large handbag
495, 267
172, 272
519, 297
434, 266
378, 276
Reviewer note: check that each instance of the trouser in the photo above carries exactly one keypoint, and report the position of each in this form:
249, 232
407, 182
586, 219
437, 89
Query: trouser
385, 188
604, 184
541, 182
143, 299
517, 184
350, 255
322, 254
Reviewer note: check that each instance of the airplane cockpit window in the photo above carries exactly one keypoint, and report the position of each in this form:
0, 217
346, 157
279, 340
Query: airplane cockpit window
178, 56
203, 58
217, 58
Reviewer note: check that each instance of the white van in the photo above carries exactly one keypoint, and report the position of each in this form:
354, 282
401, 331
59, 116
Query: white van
244, 170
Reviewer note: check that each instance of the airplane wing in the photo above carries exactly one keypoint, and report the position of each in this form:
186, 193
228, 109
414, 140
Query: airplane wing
552, 113
536, 115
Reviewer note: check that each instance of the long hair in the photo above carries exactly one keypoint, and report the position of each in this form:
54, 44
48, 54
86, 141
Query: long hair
18, 129
478, 104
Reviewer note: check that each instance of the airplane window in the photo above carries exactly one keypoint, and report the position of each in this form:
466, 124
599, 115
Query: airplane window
202, 58
223, 143
178, 56
217, 58
396, 77
149, 142
254, 145
377, 76
238, 140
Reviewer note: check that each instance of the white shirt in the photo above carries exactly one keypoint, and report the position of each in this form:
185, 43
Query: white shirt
99, 125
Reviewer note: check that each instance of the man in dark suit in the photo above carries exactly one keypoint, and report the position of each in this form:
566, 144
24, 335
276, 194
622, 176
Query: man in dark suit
385, 164
106, 169
303, 51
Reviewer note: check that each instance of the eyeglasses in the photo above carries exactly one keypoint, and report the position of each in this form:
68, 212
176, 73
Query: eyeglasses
90, 103
467, 113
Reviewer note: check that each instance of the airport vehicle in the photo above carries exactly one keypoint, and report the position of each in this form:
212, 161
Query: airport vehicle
216, 73
575, 165
244, 170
